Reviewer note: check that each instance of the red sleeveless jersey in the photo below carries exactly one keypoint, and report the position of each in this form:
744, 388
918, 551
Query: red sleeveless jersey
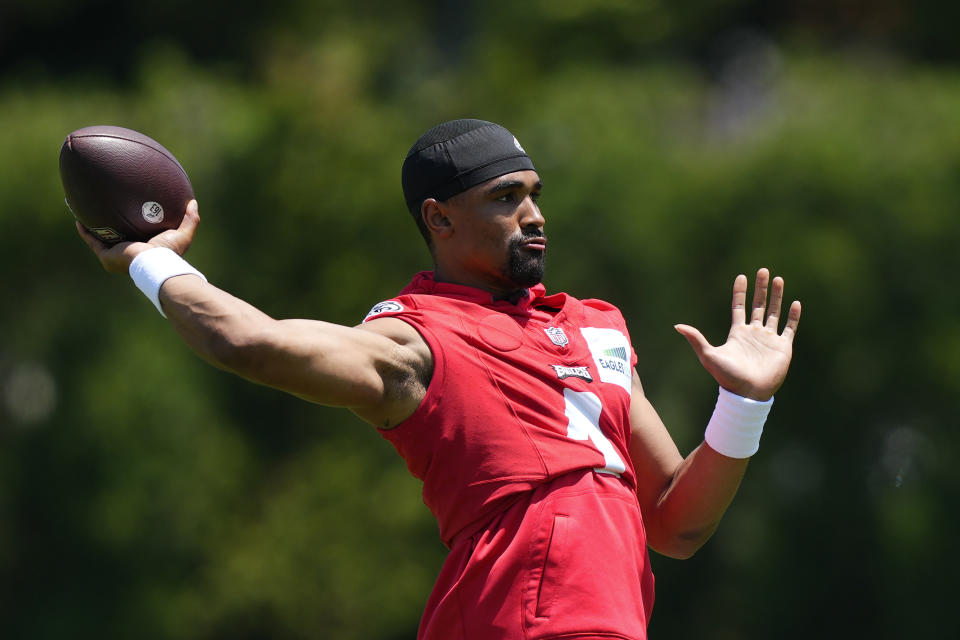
522, 443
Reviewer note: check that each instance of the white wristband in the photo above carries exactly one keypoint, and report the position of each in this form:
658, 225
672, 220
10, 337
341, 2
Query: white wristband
736, 424
151, 268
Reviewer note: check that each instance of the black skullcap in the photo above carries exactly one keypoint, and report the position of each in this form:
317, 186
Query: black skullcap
456, 155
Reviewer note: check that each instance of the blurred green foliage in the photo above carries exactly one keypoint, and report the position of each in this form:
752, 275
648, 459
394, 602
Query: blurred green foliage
144, 494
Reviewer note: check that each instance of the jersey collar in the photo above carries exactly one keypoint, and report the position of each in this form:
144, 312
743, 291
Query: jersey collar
423, 282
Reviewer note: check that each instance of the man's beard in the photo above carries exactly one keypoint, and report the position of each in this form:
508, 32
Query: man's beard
525, 267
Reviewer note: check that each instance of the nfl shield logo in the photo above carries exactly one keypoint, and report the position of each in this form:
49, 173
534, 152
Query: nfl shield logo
557, 336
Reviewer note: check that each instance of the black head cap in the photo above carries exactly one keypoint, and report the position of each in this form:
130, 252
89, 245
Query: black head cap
456, 155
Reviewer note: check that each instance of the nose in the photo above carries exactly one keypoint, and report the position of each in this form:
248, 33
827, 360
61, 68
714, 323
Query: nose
530, 215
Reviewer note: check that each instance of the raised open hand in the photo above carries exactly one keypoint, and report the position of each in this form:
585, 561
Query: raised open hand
116, 258
753, 362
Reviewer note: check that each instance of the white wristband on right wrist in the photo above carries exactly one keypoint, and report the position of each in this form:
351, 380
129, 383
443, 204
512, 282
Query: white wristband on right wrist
736, 425
151, 268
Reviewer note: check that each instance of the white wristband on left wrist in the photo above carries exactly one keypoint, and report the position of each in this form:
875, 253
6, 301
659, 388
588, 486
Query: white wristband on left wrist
736, 425
151, 268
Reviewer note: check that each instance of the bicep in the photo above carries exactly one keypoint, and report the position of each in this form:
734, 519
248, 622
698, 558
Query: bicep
653, 452
326, 363
376, 371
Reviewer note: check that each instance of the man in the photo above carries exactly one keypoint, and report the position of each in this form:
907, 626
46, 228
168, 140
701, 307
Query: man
547, 468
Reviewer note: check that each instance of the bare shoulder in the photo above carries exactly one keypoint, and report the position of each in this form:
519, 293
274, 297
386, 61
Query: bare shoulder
412, 369
397, 330
413, 348
404, 335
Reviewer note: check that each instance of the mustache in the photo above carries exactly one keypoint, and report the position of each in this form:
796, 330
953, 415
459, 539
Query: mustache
528, 234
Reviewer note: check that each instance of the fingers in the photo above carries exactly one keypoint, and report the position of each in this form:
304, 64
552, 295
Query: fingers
760, 312
776, 300
760, 296
739, 299
98, 246
95, 243
793, 320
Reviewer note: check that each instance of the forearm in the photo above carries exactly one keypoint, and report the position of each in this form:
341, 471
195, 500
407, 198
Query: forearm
683, 499
692, 505
217, 326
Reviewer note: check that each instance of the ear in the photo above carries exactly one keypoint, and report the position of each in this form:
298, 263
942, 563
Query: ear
435, 217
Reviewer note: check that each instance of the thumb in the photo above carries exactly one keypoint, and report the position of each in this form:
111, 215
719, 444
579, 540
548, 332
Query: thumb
694, 337
190, 219
180, 239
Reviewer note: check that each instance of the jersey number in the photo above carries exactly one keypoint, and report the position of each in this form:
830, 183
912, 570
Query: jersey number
583, 414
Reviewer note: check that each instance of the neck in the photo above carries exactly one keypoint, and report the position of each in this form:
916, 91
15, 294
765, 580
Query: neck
496, 288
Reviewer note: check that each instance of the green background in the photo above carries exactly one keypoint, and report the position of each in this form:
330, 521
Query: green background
145, 494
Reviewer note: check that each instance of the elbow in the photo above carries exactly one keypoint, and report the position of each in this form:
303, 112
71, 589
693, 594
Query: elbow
680, 546
681, 551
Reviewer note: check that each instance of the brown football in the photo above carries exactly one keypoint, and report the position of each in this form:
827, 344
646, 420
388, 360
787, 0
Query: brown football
121, 184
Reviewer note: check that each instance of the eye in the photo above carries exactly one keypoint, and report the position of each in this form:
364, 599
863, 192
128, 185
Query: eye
507, 197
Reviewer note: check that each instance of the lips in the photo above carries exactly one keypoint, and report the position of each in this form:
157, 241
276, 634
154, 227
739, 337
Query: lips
536, 244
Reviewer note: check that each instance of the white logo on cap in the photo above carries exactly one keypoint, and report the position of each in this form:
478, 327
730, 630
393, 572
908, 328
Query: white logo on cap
516, 143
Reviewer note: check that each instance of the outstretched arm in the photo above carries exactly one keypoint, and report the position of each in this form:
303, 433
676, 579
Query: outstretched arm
683, 499
379, 370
